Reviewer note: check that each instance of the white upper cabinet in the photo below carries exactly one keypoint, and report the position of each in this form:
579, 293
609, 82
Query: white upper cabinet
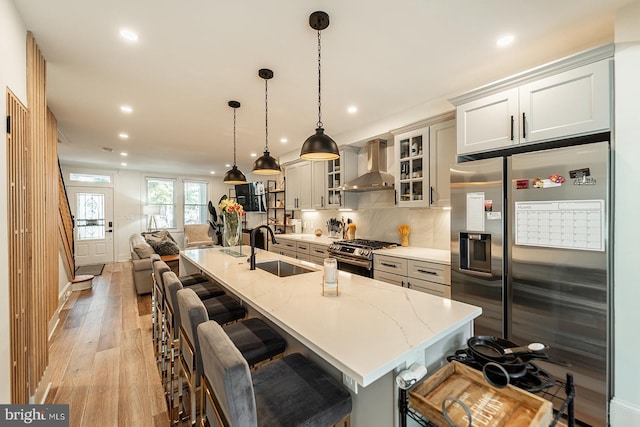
571, 97
298, 191
442, 155
423, 158
575, 102
412, 161
488, 123
340, 172
319, 184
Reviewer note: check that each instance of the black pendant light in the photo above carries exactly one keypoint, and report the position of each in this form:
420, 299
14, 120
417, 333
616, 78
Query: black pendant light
265, 164
319, 146
234, 175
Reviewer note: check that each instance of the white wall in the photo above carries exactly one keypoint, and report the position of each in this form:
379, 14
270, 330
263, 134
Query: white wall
129, 196
13, 75
625, 406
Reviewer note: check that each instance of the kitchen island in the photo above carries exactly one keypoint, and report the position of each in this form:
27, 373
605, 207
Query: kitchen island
367, 334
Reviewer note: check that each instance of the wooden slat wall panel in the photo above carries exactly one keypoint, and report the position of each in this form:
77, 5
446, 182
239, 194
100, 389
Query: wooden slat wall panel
17, 138
52, 219
66, 226
41, 206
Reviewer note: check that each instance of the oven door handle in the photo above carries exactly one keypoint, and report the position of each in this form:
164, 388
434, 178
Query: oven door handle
352, 261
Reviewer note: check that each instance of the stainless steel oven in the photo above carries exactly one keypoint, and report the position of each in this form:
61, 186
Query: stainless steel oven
356, 256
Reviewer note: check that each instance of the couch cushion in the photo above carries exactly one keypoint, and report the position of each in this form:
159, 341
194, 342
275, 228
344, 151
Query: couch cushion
164, 247
140, 246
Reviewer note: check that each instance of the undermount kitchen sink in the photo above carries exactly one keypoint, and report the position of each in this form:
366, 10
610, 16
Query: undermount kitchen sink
282, 268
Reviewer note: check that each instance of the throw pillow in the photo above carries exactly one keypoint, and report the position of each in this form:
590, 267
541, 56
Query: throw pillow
166, 247
143, 250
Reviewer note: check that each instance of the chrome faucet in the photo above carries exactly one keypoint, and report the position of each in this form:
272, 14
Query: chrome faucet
252, 258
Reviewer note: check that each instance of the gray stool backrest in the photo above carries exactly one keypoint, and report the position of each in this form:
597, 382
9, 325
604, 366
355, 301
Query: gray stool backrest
228, 373
159, 268
192, 313
171, 287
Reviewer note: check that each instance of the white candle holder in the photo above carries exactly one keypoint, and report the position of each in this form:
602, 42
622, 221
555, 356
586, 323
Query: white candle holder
330, 277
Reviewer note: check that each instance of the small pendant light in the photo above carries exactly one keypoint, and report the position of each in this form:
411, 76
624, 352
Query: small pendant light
234, 175
319, 146
265, 164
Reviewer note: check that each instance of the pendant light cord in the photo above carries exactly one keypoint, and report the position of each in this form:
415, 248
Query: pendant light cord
266, 116
319, 84
234, 137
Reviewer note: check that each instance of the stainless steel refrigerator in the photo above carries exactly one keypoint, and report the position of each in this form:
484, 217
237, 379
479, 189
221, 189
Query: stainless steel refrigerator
530, 245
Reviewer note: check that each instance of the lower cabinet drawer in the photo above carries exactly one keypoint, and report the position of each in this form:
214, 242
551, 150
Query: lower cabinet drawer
389, 264
316, 260
302, 256
394, 279
429, 271
287, 245
285, 252
436, 289
320, 251
302, 248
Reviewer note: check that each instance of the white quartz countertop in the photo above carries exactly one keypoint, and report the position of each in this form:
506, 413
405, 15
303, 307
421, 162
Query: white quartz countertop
308, 238
367, 331
439, 256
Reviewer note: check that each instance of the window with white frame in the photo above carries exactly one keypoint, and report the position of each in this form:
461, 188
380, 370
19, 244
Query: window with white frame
161, 201
196, 195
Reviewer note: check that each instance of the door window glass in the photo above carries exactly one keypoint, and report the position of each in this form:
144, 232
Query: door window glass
90, 216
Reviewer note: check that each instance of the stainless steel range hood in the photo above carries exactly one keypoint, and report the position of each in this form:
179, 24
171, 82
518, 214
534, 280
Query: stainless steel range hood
376, 178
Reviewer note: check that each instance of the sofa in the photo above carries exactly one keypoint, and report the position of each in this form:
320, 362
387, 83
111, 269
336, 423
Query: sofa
146, 248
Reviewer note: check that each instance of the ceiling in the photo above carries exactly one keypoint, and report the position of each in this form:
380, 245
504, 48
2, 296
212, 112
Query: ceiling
192, 57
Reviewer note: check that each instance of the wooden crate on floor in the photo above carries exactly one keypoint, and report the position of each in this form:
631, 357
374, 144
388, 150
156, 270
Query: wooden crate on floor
489, 406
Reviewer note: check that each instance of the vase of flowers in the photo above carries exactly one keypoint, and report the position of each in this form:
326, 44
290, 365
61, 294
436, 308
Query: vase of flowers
232, 214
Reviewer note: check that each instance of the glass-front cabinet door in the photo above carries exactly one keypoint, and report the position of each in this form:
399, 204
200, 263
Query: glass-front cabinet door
412, 181
339, 172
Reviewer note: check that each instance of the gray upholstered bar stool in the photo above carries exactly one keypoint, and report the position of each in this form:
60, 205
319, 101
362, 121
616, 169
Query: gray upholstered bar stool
223, 309
256, 341
164, 312
292, 391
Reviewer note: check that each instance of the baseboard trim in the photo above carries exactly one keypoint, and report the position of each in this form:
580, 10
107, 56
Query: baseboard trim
623, 413
63, 296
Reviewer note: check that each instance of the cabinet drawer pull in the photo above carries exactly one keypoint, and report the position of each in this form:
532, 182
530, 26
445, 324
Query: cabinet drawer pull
524, 129
389, 265
318, 251
433, 273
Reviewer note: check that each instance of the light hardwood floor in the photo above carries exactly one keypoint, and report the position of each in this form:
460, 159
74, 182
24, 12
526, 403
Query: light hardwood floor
101, 359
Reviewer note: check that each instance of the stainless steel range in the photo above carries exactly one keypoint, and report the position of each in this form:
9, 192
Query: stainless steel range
356, 256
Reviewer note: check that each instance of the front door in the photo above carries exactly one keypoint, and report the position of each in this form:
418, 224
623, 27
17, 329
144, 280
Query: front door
92, 209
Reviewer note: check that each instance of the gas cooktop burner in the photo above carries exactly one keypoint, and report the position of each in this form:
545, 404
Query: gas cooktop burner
368, 244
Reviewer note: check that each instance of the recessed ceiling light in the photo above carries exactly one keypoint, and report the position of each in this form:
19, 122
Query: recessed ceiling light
253, 154
126, 109
123, 154
107, 149
212, 172
129, 35
227, 165
123, 164
352, 109
284, 140
123, 135
505, 40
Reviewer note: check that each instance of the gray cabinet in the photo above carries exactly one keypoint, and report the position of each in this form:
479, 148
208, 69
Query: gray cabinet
423, 276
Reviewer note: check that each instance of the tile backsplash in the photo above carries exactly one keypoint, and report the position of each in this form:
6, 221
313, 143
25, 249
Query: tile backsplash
378, 218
